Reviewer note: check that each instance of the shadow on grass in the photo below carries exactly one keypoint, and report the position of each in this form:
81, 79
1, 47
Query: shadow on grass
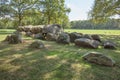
56, 62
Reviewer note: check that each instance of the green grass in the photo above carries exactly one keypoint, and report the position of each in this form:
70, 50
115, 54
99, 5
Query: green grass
6, 31
56, 62
106, 32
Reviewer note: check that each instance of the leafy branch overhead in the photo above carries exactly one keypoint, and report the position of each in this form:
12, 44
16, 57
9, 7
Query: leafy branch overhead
104, 9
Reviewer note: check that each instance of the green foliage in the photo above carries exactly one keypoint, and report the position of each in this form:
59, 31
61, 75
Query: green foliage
54, 11
19, 6
104, 9
4, 8
7, 23
37, 12
33, 17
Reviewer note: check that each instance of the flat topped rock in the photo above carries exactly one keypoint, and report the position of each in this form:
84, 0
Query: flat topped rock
99, 58
30, 28
87, 43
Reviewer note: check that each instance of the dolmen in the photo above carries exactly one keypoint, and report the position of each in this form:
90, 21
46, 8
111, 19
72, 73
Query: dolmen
51, 32
54, 32
44, 32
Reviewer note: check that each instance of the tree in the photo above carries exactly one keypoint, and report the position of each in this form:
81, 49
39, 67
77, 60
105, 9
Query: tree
37, 12
53, 10
32, 17
4, 8
19, 6
104, 9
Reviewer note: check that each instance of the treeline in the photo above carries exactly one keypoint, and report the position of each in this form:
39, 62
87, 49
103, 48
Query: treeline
14, 13
87, 24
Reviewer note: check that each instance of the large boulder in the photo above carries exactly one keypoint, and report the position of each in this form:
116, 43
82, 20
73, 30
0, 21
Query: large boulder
96, 37
99, 58
74, 36
87, 43
109, 45
36, 30
51, 37
37, 45
28, 34
38, 36
14, 38
21, 29
30, 28
24, 28
54, 29
63, 38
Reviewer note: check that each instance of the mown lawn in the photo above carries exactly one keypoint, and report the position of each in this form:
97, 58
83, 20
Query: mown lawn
56, 62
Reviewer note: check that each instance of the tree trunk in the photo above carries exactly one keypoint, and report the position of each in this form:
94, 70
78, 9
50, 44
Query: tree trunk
19, 19
48, 19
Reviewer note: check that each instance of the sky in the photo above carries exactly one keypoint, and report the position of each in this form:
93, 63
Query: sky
79, 9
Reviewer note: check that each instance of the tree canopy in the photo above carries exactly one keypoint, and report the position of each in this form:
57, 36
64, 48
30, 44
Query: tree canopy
104, 9
4, 8
36, 11
41, 12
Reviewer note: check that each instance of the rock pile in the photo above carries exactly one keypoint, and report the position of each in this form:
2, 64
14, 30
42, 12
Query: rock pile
55, 33
47, 32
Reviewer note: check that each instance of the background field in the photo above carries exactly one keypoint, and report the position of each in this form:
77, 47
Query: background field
103, 32
57, 61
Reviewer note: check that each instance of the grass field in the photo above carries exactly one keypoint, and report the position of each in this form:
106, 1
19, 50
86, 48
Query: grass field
106, 32
57, 61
